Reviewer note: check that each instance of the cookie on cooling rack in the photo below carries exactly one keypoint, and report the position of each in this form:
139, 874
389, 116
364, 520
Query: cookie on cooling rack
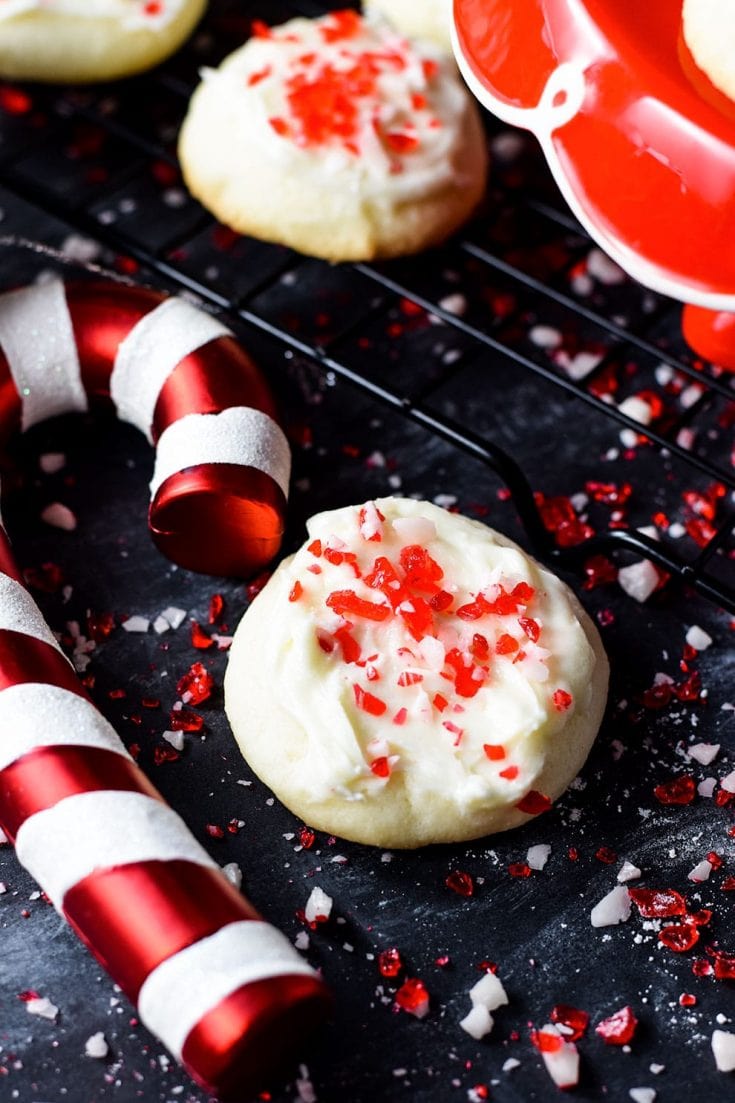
418, 18
709, 32
337, 137
412, 677
77, 41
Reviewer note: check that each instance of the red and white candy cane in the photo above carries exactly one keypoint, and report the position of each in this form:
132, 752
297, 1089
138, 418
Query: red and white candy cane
224, 990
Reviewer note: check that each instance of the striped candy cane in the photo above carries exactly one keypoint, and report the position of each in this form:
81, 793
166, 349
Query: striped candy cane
225, 991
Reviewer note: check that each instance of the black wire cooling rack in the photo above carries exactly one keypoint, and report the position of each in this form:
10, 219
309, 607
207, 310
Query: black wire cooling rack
98, 159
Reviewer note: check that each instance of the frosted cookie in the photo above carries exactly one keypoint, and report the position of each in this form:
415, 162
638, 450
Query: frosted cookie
77, 41
337, 137
411, 677
709, 32
417, 18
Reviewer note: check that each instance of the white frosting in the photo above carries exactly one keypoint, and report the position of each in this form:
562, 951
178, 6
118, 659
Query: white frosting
417, 100
131, 14
184, 988
518, 709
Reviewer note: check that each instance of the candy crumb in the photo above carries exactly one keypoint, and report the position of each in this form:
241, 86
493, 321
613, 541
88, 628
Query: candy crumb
723, 1047
96, 1046
478, 1022
642, 1095
318, 907
697, 638
612, 909
42, 1007
538, 855
136, 624
628, 872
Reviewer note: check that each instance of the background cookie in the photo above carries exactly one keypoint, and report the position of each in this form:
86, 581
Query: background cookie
94, 40
369, 148
411, 677
419, 18
709, 32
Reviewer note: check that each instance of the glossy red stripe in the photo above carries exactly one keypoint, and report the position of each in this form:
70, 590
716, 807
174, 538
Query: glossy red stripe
46, 775
250, 1035
23, 659
135, 917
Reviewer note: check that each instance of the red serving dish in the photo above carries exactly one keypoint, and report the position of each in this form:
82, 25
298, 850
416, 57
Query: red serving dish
640, 142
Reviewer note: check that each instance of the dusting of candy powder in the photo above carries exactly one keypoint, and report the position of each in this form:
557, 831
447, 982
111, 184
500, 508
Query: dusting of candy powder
445, 653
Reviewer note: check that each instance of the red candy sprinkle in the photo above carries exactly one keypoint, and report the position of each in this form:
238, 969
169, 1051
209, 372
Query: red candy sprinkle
546, 1041
347, 603
606, 855
380, 767
519, 869
367, 702
724, 965
461, 883
389, 962
506, 645
494, 751
296, 591
572, 1018
562, 700
412, 996
510, 773
619, 1029
199, 637
680, 790
307, 837
185, 720
534, 803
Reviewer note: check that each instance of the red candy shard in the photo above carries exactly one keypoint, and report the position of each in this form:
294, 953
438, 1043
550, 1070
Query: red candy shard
658, 903
216, 608
619, 1029
506, 645
531, 628
461, 883
494, 751
420, 569
680, 790
199, 637
510, 773
196, 685
534, 803
368, 702
389, 962
307, 837
296, 591
562, 700
380, 766
185, 720
347, 603
546, 1041
519, 869
571, 1017
724, 968
679, 937
413, 997
350, 647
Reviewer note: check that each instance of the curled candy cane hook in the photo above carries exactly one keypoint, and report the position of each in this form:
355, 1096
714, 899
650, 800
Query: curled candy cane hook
224, 990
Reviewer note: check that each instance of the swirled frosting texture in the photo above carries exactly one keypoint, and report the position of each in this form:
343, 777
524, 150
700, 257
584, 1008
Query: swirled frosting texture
417, 651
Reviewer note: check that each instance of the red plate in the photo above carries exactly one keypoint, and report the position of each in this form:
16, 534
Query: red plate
641, 144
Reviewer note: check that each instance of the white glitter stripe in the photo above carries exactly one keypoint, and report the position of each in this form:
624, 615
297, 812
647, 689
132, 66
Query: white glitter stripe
151, 351
101, 830
37, 338
37, 715
239, 435
19, 612
180, 991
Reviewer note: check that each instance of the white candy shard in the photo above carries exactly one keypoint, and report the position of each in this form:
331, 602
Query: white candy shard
51, 462
415, 530
96, 1046
637, 409
642, 1095
628, 872
176, 739
59, 517
233, 873
697, 638
601, 268
639, 580
510, 1064
478, 1022
538, 855
706, 788
175, 617
488, 993
612, 909
723, 1047
318, 907
700, 872
43, 1008
136, 624
562, 1063
545, 337
704, 753
728, 782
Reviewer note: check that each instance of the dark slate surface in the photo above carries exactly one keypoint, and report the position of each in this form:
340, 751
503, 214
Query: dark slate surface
349, 446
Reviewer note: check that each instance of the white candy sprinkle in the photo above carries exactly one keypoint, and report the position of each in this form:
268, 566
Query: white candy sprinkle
96, 1046
637, 409
723, 1047
697, 638
59, 517
612, 909
706, 787
601, 268
545, 337
176, 739
43, 1008
318, 906
580, 365
510, 1064
51, 462
538, 855
301, 942
175, 617
136, 624
454, 304
628, 872
488, 993
728, 783
639, 580
642, 1095
233, 873
478, 1022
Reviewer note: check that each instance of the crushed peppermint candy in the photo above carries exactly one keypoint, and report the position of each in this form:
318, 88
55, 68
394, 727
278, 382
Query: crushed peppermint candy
318, 907
42, 1007
723, 1048
560, 1057
96, 1046
612, 909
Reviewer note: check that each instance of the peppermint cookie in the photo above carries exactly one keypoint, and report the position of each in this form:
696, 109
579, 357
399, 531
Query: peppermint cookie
418, 18
337, 137
412, 677
77, 41
709, 32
